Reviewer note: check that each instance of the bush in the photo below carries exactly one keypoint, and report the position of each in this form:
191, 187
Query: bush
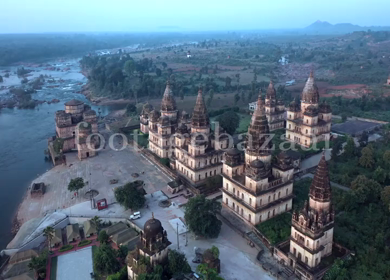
84, 242
66, 248
276, 229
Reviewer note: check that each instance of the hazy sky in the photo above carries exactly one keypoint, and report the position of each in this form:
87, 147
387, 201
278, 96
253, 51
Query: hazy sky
32, 16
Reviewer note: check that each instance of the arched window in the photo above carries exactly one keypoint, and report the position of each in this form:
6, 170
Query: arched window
250, 201
287, 191
279, 195
273, 212
268, 215
227, 201
227, 186
242, 196
261, 201
269, 198
249, 218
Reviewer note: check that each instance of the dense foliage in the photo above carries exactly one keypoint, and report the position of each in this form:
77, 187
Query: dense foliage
178, 263
201, 216
229, 121
76, 184
104, 260
130, 196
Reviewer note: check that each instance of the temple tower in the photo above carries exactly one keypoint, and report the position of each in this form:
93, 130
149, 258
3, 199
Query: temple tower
308, 123
312, 227
274, 109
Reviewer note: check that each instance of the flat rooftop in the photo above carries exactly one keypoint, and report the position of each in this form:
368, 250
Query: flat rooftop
354, 127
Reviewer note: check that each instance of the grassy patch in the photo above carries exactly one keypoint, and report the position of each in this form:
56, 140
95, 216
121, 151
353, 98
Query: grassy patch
53, 268
84, 242
66, 248
245, 120
276, 229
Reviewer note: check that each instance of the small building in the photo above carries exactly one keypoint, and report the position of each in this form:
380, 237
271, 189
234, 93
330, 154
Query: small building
73, 233
189, 54
252, 106
56, 240
153, 245
115, 228
89, 229
174, 186
37, 190
290, 83
124, 237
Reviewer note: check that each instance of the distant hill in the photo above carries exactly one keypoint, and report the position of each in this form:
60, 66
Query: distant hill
324, 27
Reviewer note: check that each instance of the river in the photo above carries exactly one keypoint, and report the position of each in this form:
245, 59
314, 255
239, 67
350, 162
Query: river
24, 134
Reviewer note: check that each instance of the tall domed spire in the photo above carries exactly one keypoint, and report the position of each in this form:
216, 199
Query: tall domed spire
310, 92
258, 128
320, 189
271, 92
168, 102
200, 117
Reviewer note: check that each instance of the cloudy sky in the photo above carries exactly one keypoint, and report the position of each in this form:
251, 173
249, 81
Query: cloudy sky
35, 16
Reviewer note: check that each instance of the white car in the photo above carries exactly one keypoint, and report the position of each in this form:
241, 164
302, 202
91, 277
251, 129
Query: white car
136, 215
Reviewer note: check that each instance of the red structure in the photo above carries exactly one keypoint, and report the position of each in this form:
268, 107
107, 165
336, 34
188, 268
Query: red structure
101, 204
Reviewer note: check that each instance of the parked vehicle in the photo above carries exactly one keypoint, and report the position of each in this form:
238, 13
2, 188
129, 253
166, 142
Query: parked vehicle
135, 216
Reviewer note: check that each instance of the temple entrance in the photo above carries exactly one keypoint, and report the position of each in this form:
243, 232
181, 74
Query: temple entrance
291, 262
87, 154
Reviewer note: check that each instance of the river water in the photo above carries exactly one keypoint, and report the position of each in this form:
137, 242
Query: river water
24, 134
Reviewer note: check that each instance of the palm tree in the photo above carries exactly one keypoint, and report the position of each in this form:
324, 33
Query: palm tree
96, 221
48, 233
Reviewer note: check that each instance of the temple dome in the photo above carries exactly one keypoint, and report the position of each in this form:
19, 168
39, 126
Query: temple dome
311, 111
154, 115
325, 108
152, 228
233, 152
310, 92
257, 164
146, 109
294, 106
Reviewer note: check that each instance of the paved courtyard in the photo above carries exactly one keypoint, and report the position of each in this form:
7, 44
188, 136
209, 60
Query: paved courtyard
238, 259
98, 171
76, 265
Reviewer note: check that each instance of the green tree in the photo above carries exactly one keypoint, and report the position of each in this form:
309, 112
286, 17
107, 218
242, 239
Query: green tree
164, 65
229, 121
385, 196
103, 237
178, 263
228, 82
130, 196
365, 190
215, 251
156, 274
104, 260
367, 157
243, 99
236, 98
343, 117
1, 79
337, 271
337, 146
379, 175
201, 216
122, 252
158, 72
350, 148
76, 184
48, 232
363, 139
38, 264
131, 109
120, 275
129, 67
96, 221
386, 158
208, 273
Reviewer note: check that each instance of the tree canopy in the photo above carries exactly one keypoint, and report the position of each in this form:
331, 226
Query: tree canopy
104, 260
130, 196
229, 121
103, 237
178, 263
76, 184
201, 216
